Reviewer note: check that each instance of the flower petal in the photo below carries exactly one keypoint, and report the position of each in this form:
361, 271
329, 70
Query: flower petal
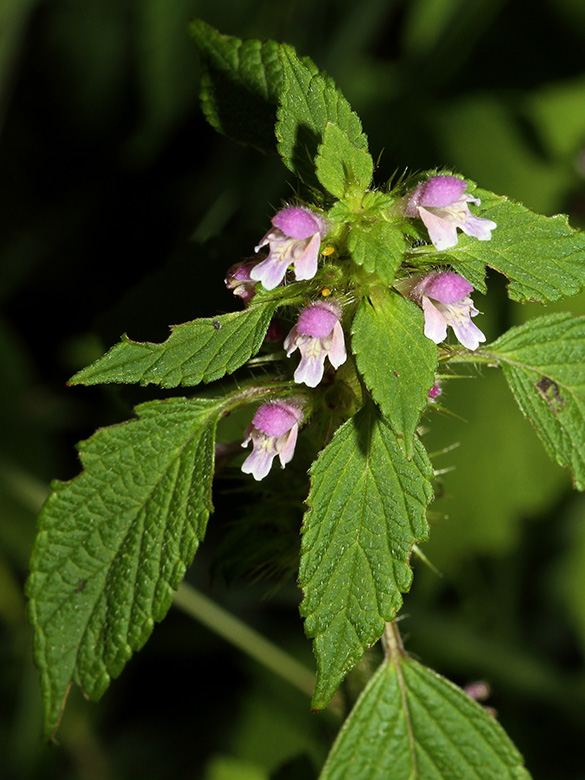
478, 227
442, 232
441, 191
305, 264
336, 347
275, 418
444, 286
270, 271
286, 444
435, 322
319, 319
259, 461
298, 223
312, 366
467, 333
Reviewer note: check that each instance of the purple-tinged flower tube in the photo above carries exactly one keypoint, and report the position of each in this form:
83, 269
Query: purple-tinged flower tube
442, 205
239, 281
273, 431
318, 334
295, 238
445, 300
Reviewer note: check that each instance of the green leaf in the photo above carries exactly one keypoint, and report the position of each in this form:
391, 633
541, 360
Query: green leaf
115, 542
308, 102
544, 364
395, 358
198, 351
378, 246
367, 507
240, 85
412, 724
543, 257
341, 166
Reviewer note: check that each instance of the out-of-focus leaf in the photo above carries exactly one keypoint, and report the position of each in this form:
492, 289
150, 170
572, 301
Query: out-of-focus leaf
14, 15
240, 86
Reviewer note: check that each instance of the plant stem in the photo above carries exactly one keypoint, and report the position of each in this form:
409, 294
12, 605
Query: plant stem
392, 641
244, 638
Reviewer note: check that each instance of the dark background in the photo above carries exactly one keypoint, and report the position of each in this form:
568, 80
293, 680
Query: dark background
121, 210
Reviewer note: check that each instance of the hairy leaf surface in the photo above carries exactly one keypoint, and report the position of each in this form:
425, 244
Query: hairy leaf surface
308, 102
377, 246
367, 507
396, 359
341, 166
544, 364
198, 351
412, 724
115, 542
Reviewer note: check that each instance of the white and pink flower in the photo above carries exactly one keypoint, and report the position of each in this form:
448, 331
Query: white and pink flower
239, 281
445, 300
273, 431
318, 334
294, 239
443, 206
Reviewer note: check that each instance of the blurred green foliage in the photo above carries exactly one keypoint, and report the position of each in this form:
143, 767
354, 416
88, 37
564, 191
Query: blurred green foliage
121, 211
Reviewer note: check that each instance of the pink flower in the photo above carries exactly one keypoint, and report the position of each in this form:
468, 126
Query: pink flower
238, 280
318, 334
273, 431
445, 301
294, 239
443, 207
435, 391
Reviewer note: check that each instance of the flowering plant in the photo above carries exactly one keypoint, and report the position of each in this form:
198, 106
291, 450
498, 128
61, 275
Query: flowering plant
367, 278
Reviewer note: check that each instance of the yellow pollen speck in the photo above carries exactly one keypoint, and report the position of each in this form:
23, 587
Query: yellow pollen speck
328, 251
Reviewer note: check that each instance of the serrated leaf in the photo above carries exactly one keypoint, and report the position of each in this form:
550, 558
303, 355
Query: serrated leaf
200, 351
308, 102
412, 724
543, 257
367, 507
395, 358
341, 166
240, 85
544, 364
377, 246
115, 542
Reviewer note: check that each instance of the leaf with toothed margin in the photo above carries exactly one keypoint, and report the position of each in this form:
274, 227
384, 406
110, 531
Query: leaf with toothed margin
200, 351
544, 364
308, 103
240, 85
367, 507
543, 257
412, 724
115, 542
398, 362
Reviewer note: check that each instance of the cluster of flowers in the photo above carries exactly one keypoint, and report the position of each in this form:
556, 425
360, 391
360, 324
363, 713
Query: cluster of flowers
295, 239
